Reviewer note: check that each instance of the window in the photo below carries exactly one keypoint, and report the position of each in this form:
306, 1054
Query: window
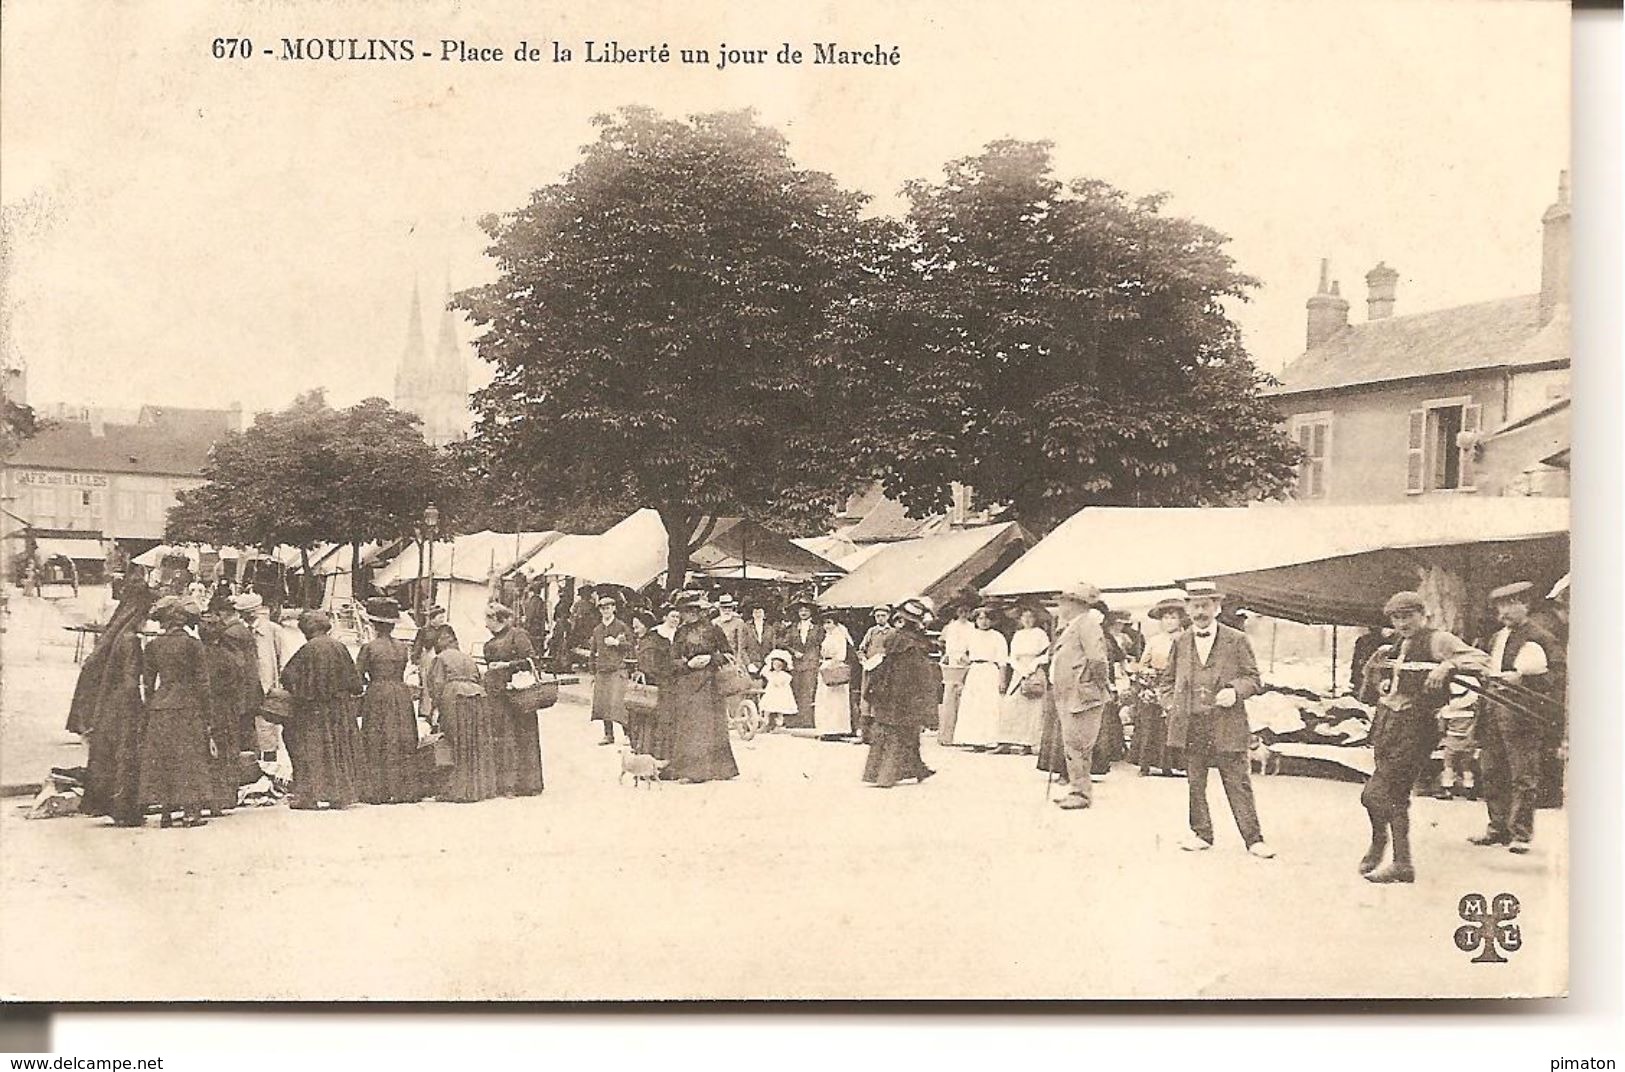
1442, 445
125, 504
1313, 432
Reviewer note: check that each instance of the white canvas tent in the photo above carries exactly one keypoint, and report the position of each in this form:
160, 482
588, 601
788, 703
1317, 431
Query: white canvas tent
631, 554
466, 569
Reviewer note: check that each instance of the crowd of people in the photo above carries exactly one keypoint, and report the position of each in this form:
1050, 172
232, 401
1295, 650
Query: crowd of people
181, 702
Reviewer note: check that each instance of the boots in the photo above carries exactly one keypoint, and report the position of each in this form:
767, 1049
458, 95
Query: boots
1379, 845
1400, 870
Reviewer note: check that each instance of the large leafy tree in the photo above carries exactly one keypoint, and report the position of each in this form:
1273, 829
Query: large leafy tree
667, 329
311, 474
1062, 345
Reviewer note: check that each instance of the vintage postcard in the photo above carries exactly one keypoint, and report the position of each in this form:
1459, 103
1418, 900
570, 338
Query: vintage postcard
608, 501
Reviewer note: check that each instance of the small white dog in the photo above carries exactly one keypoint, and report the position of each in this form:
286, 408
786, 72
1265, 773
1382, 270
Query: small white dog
644, 769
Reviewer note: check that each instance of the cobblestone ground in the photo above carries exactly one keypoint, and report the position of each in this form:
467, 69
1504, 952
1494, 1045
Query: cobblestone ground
794, 880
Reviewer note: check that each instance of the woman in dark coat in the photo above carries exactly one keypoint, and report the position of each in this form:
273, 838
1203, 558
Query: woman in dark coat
606, 654
323, 740
700, 751
225, 710
651, 659
107, 706
389, 724
177, 773
462, 714
519, 745
903, 699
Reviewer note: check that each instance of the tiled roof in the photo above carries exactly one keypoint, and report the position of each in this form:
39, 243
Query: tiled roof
170, 442
1486, 335
888, 520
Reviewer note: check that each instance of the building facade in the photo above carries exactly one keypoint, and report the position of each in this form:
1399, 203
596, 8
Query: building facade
1468, 400
88, 486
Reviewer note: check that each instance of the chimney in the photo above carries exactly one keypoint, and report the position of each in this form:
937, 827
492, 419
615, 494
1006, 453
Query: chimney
1554, 253
1379, 285
1328, 312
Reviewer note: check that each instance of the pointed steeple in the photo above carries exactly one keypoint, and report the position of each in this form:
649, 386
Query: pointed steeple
414, 365
451, 367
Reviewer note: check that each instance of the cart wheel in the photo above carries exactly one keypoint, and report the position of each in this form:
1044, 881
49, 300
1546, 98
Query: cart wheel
749, 719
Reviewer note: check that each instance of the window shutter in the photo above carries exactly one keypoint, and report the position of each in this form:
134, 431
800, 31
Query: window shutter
1414, 471
1472, 417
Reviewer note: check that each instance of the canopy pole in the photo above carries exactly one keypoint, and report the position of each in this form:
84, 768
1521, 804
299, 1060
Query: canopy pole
1334, 661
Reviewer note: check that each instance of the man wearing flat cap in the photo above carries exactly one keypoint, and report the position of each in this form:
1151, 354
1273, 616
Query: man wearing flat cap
1080, 680
1210, 673
1414, 678
1522, 655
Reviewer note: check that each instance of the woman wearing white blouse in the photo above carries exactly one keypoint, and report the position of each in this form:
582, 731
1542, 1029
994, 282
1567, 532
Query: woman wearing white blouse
1021, 716
832, 704
978, 724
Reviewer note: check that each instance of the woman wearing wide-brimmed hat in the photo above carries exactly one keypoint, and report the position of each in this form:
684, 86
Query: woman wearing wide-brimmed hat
1151, 751
832, 701
389, 725
323, 740
177, 774
1021, 711
803, 638
700, 751
903, 697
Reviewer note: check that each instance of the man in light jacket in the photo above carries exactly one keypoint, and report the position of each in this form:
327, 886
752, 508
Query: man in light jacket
1211, 671
1080, 678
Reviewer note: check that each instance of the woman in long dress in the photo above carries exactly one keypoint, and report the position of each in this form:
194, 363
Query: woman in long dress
1021, 718
458, 699
1151, 751
325, 743
663, 729
832, 703
389, 724
869, 648
903, 696
978, 724
107, 705
651, 659
700, 748
227, 706
177, 774
519, 744
606, 653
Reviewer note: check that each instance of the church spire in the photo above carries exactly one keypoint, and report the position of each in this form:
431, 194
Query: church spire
451, 368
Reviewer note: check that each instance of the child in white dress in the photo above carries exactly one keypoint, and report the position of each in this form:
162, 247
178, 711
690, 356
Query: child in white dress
778, 698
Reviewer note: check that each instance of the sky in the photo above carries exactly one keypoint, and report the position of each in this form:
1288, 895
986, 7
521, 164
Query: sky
189, 231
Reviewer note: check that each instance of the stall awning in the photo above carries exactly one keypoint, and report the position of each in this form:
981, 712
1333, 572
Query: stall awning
471, 557
1355, 551
86, 548
630, 554
934, 566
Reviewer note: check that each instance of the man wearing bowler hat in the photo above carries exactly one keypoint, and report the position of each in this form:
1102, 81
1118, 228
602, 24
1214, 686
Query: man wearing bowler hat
1210, 673
1080, 680
1524, 655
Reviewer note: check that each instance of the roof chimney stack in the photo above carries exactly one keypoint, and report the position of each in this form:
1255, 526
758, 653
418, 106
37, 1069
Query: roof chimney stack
1554, 254
1380, 283
1328, 311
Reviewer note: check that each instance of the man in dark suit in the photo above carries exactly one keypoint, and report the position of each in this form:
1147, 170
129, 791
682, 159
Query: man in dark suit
1211, 671
803, 639
757, 637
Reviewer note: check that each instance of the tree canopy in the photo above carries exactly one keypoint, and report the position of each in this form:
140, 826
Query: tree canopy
667, 328
311, 474
1062, 345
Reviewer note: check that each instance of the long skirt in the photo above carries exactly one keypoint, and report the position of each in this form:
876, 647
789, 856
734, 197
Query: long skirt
176, 771
1051, 751
1109, 744
519, 747
894, 755
804, 683
470, 728
609, 696
113, 769
1021, 718
325, 746
389, 743
700, 751
1151, 738
979, 706
832, 709
953, 687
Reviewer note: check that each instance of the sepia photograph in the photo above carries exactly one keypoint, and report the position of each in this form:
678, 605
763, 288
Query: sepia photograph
716, 502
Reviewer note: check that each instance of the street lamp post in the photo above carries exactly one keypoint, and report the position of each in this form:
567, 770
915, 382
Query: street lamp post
431, 522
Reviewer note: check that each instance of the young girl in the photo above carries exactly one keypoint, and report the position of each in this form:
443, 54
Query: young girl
778, 698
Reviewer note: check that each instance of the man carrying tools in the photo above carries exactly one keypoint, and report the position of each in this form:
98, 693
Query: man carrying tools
1414, 686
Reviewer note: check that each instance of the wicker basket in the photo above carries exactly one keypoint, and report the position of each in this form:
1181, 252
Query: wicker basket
535, 696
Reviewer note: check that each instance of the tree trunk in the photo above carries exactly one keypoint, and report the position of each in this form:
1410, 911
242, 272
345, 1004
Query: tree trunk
358, 591
304, 577
679, 527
